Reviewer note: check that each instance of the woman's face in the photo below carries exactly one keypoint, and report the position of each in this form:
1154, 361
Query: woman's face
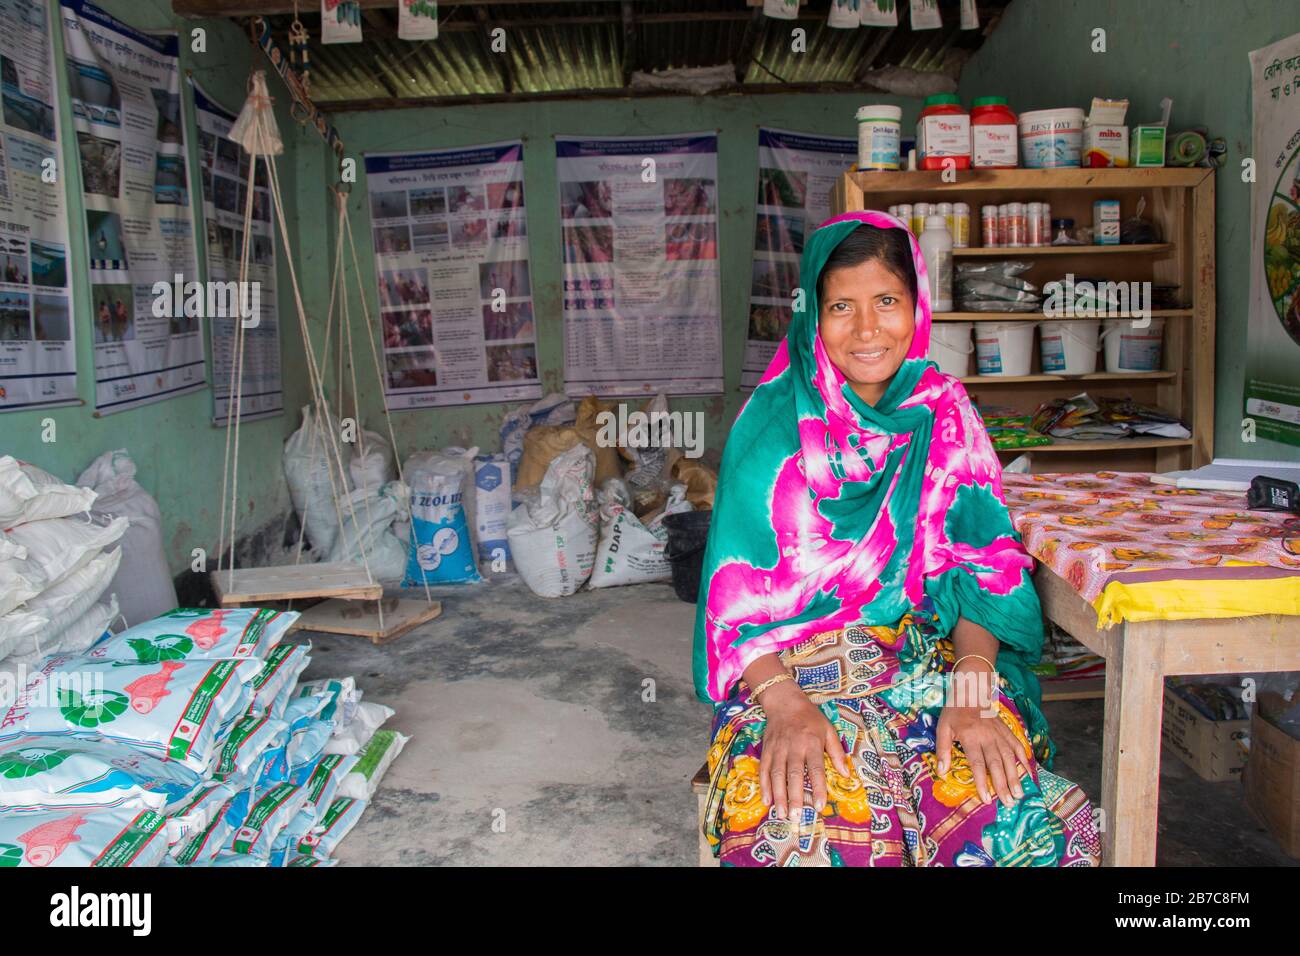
866, 324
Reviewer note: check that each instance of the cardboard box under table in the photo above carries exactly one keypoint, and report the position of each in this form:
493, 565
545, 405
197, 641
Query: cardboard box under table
1210, 747
1159, 581
1273, 775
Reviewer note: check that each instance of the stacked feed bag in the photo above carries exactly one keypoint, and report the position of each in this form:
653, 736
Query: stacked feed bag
188, 740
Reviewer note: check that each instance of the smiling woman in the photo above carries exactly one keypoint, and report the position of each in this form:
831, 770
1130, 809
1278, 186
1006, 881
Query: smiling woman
862, 577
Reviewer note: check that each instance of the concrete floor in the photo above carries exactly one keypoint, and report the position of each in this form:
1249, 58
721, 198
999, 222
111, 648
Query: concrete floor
533, 741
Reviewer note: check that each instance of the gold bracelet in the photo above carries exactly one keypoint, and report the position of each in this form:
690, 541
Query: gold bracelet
981, 657
770, 682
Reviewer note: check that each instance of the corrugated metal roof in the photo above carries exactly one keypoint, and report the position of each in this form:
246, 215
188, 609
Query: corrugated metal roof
593, 48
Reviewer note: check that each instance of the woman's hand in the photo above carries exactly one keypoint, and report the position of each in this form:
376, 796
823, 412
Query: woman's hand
991, 749
796, 736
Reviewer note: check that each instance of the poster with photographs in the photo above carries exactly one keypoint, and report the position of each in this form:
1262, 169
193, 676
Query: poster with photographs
1272, 388
795, 174
642, 289
455, 290
38, 366
125, 90
224, 173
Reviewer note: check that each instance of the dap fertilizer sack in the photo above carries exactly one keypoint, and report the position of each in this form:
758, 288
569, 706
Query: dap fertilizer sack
191, 634
172, 708
117, 836
442, 550
553, 536
628, 552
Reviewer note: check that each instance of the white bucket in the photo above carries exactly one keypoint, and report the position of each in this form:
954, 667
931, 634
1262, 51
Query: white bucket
1005, 348
1069, 348
951, 347
1132, 349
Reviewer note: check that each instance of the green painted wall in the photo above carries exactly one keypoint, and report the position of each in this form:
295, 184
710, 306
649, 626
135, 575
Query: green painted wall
178, 452
1195, 51
736, 118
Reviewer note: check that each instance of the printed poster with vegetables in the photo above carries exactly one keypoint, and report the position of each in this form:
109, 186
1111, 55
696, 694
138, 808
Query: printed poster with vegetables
795, 174
125, 90
1272, 391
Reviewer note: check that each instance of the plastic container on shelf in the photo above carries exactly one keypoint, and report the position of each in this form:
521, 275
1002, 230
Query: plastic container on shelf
943, 133
879, 129
1051, 139
1069, 347
993, 134
936, 249
1004, 348
951, 347
960, 225
1130, 348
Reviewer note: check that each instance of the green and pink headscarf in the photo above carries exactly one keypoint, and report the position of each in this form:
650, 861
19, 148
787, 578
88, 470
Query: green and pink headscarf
830, 512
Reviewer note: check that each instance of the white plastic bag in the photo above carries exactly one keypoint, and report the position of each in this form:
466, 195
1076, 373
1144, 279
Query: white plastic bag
350, 737
314, 480
28, 493
553, 537
143, 584
366, 536
372, 461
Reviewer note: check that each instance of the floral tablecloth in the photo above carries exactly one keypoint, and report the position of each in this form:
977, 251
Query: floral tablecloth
1137, 550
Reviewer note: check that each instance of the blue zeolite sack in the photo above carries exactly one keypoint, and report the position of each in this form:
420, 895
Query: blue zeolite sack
442, 550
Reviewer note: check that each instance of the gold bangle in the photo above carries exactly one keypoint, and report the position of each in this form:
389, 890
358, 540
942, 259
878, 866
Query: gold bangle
992, 666
770, 682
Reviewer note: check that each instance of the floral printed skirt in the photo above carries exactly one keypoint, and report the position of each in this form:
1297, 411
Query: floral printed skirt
883, 689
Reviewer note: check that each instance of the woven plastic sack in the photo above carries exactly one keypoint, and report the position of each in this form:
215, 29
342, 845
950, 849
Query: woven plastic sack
350, 737
38, 627
262, 815
274, 685
172, 709
28, 493
115, 836
373, 762
336, 823
192, 634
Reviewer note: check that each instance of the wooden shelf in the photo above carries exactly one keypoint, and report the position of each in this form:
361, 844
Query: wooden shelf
1180, 204
1103, 444
1011, 252
1091, 377
1040, 317
1038, 180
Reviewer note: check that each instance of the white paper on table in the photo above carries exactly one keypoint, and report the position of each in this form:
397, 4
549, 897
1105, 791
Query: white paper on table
1230, 474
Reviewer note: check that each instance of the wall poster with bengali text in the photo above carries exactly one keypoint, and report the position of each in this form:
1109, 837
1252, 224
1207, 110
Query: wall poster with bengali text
38, 361
450, 232
642, 288
125, 90
224, 171
1272, 386
795, 174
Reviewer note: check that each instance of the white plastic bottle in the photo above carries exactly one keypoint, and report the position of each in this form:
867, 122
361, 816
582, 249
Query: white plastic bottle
936, 249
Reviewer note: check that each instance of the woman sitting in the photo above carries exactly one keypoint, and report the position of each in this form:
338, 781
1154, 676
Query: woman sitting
867, 615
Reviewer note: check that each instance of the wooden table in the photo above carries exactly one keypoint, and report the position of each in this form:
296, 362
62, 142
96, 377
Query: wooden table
1138, 658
